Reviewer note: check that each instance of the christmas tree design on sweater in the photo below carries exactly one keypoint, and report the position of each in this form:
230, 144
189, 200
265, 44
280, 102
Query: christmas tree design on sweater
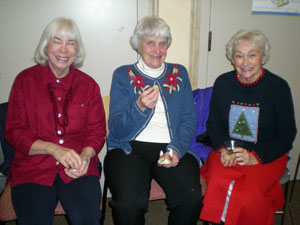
242, 127
243, 122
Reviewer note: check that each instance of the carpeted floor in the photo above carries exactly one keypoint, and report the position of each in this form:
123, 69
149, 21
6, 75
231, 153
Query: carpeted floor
157, 214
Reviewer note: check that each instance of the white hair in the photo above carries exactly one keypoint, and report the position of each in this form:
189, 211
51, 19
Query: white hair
66, 28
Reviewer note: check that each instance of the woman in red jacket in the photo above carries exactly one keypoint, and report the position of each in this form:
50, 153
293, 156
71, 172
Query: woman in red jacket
56, 124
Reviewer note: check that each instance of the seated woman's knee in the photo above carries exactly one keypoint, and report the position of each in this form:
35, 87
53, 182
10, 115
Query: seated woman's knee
128, 203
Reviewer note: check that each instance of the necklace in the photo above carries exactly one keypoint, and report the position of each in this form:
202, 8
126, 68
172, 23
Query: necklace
253, 83
65, 119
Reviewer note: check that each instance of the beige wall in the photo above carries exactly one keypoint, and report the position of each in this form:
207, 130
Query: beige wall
177, 14
183, 16
104, 27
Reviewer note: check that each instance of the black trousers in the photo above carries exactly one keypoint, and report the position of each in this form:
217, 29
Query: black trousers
35, 204
129, 180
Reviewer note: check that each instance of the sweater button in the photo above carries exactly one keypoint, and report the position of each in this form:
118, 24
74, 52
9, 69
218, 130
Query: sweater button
57, 163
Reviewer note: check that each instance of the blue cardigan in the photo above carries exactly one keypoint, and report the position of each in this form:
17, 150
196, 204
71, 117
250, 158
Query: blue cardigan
126, 120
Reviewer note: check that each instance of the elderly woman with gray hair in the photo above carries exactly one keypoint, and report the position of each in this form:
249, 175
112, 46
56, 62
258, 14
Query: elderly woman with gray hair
251, 108
151, 123
56, 124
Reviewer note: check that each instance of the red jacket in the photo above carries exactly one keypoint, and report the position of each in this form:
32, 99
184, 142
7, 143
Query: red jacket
30, 117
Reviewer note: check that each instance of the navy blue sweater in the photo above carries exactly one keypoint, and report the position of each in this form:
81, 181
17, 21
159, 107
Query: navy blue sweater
260, 114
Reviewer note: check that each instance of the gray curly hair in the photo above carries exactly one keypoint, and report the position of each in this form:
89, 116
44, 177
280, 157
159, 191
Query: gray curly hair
152, 26
256, 36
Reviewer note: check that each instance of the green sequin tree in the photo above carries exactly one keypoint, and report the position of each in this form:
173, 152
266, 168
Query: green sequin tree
242, 127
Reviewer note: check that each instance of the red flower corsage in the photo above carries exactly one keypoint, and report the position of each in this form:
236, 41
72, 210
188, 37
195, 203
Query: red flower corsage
137, 82
172, 84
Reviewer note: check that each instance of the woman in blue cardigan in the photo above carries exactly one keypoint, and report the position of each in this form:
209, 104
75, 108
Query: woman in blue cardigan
152, 121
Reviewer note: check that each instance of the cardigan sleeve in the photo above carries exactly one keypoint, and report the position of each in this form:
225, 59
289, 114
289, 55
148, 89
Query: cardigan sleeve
125, 117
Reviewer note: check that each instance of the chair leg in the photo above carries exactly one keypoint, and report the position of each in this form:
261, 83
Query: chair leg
291, 214
286, 190
292, 191
294, 180
104, 198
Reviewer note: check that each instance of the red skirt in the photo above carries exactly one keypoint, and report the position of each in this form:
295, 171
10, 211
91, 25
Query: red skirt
256, 194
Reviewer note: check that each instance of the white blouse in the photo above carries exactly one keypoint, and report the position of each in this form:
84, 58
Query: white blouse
157, 130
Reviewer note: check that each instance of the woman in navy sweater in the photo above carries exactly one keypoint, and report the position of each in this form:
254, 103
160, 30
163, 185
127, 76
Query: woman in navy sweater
254, 106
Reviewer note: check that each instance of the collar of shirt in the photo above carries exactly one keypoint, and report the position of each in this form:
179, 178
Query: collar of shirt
149, 71
49, 77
